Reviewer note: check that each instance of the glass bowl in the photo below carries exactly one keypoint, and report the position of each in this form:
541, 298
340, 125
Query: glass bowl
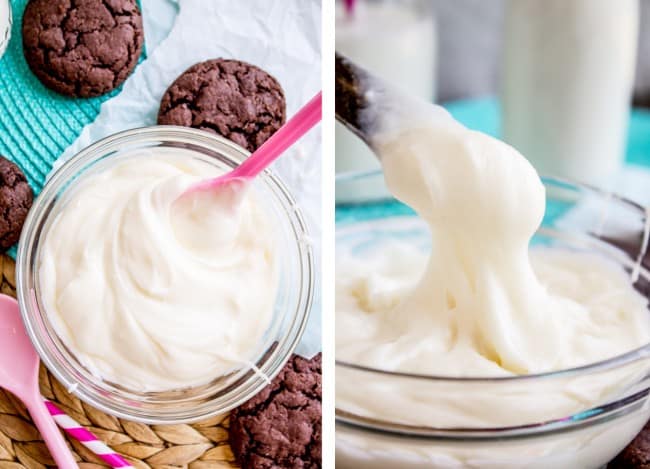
291, 310
580, 417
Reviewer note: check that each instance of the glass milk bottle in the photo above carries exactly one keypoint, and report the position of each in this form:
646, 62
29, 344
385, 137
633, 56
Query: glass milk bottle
568, 76
5, 25
395, 40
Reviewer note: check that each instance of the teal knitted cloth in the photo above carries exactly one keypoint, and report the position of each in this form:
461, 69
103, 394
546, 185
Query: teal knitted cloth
36, 124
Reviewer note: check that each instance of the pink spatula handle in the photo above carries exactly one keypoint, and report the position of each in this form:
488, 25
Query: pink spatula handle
308, 116
50, 432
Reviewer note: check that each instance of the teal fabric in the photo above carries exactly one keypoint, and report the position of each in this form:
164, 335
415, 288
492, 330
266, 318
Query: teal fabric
36, 124
484, 115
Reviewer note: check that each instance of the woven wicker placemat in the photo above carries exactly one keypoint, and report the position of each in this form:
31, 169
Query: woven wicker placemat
197, 446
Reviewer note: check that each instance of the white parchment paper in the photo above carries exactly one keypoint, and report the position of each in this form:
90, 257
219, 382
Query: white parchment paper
282, 37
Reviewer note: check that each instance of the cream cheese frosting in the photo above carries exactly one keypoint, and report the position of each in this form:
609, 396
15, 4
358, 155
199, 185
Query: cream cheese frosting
480, 305
371, 289
152, 293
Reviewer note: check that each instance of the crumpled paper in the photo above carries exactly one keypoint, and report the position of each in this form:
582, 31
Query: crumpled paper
283, 38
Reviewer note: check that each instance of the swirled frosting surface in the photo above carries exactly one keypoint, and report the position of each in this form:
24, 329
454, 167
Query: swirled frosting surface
152, 293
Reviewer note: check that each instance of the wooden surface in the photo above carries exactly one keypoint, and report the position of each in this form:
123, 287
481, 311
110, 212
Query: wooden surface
198, 446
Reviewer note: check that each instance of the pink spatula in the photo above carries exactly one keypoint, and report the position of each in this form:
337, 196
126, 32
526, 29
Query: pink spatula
308, 116
19, 375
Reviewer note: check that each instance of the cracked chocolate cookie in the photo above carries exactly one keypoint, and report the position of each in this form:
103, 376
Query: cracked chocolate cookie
15, 201
637, 453
281, 426
82, 48
234, 99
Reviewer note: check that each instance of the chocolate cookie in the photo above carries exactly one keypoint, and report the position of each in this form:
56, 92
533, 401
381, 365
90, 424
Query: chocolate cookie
82, 48
637, 453
15, 200
234, 99
281, 426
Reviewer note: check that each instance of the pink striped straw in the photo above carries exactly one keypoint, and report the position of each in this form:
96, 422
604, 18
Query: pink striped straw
86, 438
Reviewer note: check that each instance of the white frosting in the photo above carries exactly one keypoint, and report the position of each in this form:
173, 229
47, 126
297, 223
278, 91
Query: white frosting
479, 300
605, 316
479, 306
155, 294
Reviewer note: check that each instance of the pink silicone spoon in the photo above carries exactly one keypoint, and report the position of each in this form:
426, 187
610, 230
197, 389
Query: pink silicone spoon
19, 375
308, 116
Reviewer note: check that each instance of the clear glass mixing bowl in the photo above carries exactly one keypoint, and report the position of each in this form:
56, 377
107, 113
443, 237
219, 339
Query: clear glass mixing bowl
577, 418
293, 302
